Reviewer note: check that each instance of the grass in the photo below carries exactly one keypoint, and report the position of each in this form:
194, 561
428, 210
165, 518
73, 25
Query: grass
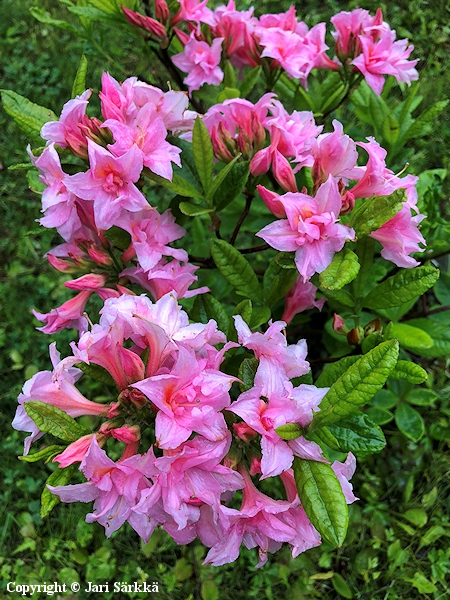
397, 546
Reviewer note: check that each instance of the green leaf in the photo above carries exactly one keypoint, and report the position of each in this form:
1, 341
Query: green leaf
357, 385
402, 287
44, 16
375, 212
421, 397
193, 210
409, 421
260, 315
422, 584
45, 453
247, 372
342, 270
404, 369
212, 309
341, 586
232, 185
119, 237
250, 80
178, 184
360, 435
410, 337
221, 175
439, 334
236, 270
385, 398
93, 14
285, 260
322, 498
432, 534
244, 309
58, 477
341, 297
378, 415
290, 431
228, 93
277, 282
53, 420
29, 117
390, 129
79, 84
334, 370
441, 289
209, 590
324, 435
416, 516
97, 373
203, 153
229, 79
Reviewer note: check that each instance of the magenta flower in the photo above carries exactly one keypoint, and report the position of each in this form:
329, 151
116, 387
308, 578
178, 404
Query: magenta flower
311, 229
109, 183
201, 61
237, 28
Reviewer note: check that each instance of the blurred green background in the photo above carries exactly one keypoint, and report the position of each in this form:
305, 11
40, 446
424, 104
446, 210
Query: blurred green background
398, 540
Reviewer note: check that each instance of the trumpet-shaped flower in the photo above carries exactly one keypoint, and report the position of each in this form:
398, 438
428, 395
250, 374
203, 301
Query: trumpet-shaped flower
201, 61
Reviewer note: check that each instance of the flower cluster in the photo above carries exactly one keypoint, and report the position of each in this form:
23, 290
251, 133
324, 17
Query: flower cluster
365, 45
180, 466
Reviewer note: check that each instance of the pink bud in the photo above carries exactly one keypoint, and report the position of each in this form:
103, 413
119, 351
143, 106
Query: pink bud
183, 37
339, 325
100, 257
220, 150
61, 265
77, 143
127, 434
283, 172
161, 10
128, 254
261, 162
259, 133
270, 199
255, 466
88, 283
244, 432
244, 143
147, 23
348, 202
75, 452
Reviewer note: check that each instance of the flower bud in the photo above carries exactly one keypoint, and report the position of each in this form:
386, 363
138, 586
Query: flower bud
270, 199
162, 12
244, 432
127, 433
221, 152
339, 325
355, 335
151, 25
283, 172
75, 452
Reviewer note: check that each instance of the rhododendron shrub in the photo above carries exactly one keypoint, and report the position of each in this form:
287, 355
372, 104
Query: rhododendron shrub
212, 424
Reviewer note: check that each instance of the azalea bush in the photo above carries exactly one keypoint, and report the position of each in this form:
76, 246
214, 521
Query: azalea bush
210, 422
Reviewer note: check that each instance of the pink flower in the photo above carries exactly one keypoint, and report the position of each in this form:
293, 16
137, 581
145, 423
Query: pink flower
400, 236
193, 10
189, 399
201, 61
344, 472
109, 183
69, 315
237, 29
302, 296
115, 487
151, 25
350, 26
148, 133
334, 154
65, 132
311, 229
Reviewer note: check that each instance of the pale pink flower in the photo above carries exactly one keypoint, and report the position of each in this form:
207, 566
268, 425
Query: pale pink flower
237, 28
65, 132
350, 26
311, 229
334, 154
201, 61
194, 10
400, 236
344, 472
69, 315
109, 183
301, 297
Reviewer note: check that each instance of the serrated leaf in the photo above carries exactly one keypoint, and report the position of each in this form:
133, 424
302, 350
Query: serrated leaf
232, 185
410, 337
79, 84
333, 371
357, 385
358, 434
97, 373
119, 237
409, 421
342, 270
236, 270
376, 211
322, 498
178, 185
203, 153
29, 117
58, 477
290, 431
193, 210
250, 80
404, 369
402, 287
247, 372
41, 454
51, 419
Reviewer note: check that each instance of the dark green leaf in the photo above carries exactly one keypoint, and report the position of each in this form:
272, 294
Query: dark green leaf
79, 84
376, 211
29, 117
409, 421
178, 184
322, 499
58, 477
53, 420
421, 397
357, 385
260, 315
232, 185
341, 586
391, 129
333, 371
285, 260
250, 80
358, 434
439, 334
44, 16
402, 287
277, 282
203, 153
247, 372
221, 175
213, 310
341, 297
119, 237
342, 270
380, 416
193, 210
236, 270
97, 373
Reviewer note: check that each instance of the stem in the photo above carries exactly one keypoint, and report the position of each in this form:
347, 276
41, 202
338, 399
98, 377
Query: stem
255, 249
351, 88
248, 202
215, 220
434, 256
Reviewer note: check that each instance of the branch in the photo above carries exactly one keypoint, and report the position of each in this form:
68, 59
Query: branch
255, 249
248, 202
